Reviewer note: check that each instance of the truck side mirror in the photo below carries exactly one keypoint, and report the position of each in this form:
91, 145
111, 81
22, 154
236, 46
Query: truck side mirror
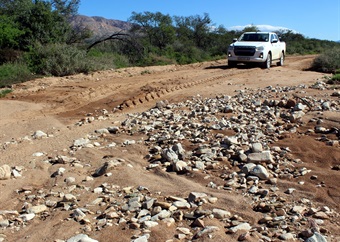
234, 40
274, 40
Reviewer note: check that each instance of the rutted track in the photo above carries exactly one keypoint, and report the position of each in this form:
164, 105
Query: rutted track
123, 89
162, 92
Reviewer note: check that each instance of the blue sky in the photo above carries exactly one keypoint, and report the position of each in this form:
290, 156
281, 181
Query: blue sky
312, 18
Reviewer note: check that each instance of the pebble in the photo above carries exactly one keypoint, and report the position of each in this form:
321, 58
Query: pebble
39, 134
37, 209
260, 171
81, 238
241, 226
264, 156
5, 172
220, 213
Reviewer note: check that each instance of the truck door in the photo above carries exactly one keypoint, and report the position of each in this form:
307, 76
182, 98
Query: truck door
275, 46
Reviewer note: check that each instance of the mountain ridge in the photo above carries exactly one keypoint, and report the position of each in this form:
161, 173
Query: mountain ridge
100, 26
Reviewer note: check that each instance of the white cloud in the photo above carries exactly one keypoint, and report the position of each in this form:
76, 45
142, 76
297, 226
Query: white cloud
262, 27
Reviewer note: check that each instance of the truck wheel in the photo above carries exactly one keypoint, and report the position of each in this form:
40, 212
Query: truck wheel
268, 62
282, 59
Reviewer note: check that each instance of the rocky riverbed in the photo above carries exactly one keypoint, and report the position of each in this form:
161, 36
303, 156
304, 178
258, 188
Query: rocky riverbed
255, 162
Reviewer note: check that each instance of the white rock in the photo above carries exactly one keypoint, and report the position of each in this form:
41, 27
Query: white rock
317, 237
5, 172
183, 230
102, 131
39, 134
38, 154
27, 217
15, 173
78, 214
150, 224
242, 226
256, 147
82, 142
37, 209
4, 223
81, 238
287, 236
179, 166
143, 238
195, 196
220, 213
181, 204
170, 155
260, 171
247, 168
264, 156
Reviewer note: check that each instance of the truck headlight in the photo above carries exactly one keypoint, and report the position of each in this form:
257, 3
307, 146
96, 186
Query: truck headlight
231, 47
259, 48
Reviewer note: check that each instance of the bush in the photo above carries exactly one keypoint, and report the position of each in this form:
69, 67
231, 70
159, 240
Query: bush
9, 55
105, 60
4, 92
156, 60
11, 73
58, 60
335, 79
327, 62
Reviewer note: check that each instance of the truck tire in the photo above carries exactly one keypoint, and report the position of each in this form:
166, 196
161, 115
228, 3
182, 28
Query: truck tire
282, 59
268, 62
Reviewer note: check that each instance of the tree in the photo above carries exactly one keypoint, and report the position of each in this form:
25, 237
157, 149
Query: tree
41, 21
184, 32
9, 33
157, 28
66, 8
251, 28
195, 28
201, 27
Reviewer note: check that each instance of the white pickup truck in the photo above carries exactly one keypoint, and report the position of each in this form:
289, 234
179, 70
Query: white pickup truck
257, 47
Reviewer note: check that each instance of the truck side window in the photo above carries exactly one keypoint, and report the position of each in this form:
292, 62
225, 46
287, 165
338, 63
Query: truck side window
273, 37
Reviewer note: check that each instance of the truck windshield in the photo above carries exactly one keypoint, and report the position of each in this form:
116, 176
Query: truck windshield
257, 37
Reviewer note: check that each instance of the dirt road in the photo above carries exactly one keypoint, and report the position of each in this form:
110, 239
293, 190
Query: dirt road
69, 108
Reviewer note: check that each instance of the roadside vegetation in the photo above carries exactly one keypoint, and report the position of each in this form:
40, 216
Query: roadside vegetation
37, 40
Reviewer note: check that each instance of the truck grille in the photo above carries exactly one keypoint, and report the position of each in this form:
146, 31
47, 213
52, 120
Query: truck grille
244, 50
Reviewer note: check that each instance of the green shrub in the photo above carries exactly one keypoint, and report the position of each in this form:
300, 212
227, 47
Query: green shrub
106, 60
11, 73
327, 62
4, 92
58, 60
335, 79
9, 55
156, 60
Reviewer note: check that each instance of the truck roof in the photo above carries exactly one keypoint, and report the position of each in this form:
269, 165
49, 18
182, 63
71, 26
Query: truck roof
262, 32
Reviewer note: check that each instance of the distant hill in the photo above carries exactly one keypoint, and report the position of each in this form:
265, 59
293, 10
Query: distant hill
100, 26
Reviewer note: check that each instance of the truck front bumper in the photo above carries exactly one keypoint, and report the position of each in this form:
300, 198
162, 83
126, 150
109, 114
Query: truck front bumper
257, 57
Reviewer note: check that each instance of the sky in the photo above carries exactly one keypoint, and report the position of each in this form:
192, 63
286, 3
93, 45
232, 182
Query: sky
311, 18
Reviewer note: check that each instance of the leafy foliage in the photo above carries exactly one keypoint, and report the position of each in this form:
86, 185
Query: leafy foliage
157, 28
4, 92
11, 73
57, 60
39, 20
9, 33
